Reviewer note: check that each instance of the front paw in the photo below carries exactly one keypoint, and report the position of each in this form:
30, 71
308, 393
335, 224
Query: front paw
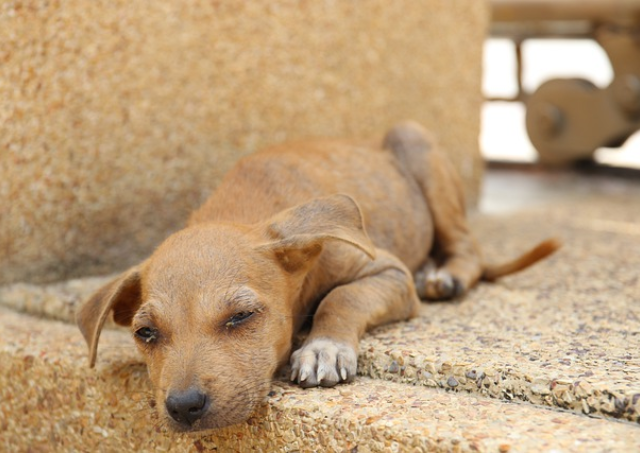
323, 361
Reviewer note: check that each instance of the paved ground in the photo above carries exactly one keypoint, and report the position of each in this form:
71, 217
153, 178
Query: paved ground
547, 360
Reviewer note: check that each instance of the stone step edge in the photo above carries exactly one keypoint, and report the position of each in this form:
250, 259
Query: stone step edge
501, 383
58, 301
50, 399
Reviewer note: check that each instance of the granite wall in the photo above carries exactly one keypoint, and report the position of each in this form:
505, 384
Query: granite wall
117, 118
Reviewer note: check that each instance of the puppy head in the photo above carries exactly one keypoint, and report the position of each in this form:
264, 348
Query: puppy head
212, 310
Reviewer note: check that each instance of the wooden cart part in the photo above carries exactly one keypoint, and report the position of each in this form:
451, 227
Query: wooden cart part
568, 119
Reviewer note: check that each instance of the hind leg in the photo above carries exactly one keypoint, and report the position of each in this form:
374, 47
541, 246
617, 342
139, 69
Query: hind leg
457, 256
435, 283
455, 264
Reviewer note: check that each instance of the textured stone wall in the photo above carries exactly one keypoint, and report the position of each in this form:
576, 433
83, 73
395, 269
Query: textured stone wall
117, 118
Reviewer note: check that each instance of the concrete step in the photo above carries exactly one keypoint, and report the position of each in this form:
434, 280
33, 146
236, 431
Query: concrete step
541, 361
52, 402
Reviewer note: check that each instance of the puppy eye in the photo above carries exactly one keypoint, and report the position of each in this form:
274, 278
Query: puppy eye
238, 318
147, 334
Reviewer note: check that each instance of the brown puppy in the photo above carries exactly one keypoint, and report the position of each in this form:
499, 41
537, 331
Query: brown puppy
283, 239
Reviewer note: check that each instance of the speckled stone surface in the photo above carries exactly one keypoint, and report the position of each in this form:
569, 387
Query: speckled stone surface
565, 333
541, 361
49, 401
118, 118
57, 301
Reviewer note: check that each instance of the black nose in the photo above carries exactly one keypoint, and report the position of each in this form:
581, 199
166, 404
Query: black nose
188, 406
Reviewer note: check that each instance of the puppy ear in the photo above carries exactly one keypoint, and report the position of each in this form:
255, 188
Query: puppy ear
122, 296
299, 233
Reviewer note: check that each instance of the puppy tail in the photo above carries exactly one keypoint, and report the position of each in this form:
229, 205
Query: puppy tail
540, 251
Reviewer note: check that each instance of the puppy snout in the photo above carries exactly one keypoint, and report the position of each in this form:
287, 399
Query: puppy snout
188, 406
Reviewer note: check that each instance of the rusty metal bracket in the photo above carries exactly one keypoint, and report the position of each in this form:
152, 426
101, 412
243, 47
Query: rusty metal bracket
568, 119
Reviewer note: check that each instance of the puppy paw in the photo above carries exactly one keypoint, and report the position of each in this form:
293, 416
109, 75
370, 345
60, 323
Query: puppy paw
438, 284
323, 362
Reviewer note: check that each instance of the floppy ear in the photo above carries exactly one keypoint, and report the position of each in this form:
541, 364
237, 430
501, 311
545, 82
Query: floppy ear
122, 296
299, 233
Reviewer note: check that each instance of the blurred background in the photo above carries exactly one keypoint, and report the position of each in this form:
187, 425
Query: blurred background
558, 40
117, 121
503, 134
